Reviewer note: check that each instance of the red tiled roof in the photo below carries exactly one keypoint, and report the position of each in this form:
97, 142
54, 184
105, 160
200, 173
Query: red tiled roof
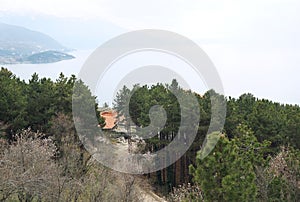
110, 119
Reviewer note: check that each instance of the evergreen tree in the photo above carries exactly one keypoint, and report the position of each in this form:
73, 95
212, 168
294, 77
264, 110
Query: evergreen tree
12, 101
228, 173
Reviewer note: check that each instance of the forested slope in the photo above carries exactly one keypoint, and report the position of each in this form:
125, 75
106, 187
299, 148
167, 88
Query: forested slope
256, 158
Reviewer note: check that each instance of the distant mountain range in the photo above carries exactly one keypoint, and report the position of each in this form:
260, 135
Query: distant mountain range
21, 45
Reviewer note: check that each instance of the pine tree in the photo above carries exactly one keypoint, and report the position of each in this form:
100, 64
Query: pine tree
228, 172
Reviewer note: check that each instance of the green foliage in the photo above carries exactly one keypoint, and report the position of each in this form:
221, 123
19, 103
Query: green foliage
250, 123
12, 100
237, 169
228, 173
40, 102
63, 89
35, 103
269, 121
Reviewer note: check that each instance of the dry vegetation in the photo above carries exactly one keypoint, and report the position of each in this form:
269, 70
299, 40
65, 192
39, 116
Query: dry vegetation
33, 168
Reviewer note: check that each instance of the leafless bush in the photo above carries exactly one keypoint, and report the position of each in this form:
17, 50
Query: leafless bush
37, 168
280, 179
280, 165
186, 192
27, 169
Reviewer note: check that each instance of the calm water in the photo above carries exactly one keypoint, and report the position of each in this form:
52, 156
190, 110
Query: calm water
51, 70
112, 82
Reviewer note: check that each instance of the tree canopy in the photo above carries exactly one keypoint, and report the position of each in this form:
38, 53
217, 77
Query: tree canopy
256, 157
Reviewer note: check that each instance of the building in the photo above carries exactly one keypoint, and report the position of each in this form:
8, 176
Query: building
115, 123
110, 117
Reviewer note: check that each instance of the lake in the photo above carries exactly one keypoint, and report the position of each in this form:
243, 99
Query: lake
51, 70
123, 72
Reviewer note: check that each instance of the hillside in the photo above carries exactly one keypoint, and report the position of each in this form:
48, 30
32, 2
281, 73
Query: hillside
18, 43
48, 57
45, 156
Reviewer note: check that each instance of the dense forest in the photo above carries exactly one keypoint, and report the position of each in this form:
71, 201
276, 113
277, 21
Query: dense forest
257, 157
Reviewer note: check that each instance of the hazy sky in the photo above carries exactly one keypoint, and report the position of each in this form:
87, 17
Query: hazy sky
254, 44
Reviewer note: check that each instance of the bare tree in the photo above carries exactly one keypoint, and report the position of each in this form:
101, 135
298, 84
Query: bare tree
186, 192
39, 167
28, 170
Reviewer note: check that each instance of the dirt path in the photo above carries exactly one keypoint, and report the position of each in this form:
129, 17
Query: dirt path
146, 194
